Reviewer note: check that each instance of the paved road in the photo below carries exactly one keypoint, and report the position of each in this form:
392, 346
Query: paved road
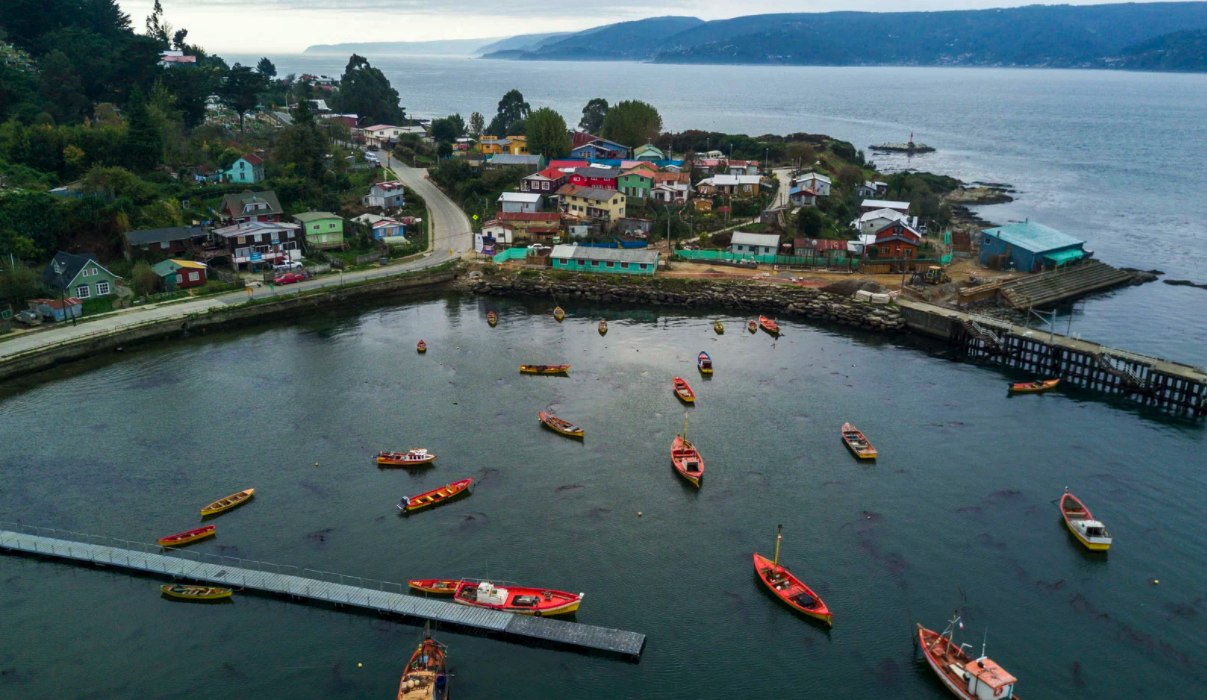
448, 225
781, 195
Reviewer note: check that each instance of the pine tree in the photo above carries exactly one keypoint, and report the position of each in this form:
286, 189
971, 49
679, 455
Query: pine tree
143, 144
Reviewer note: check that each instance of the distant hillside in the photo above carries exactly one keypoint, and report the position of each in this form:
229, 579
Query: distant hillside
1179, 51
626, 41
523, 42
451, 47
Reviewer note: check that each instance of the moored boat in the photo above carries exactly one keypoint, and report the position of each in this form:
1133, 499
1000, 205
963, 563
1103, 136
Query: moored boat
718, 327
686, 459
517, 599
559, 314
1082, 524
558, 425
967, 678
789, 588
492, 318
603, 327
704, 363
1036, 387
435, 586
425, 677
544, 369
683, 391
182, 592
444, 494
752, 326
421, 347
768, 325
187, 536
416, 457
231, 501
857, 443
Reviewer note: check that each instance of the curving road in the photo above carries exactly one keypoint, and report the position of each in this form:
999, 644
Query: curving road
450, 227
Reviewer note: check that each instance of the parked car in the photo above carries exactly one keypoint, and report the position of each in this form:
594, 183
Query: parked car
29, 317
289, 278
291, 266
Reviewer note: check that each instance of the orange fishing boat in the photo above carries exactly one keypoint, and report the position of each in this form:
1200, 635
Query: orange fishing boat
1036, 387
231, 501
683, 391
967, 678
194, 593
789, 588
186, 536
753, 327
421, 347
558, 425
857, 443
544, 369
686, 459
435, 586
492, 318
425, 677
768, 325
417, 457
516, 599
444, 494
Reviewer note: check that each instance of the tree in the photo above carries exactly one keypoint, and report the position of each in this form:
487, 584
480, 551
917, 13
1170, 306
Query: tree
60, 87
547, 134
444, 149
448, 129
632, 123
266, 68
805, 153
512, 109
143, 143
178, 39
365, 91
143, 279
593, 115
241, 90
476, 124
17, 282
850, 177
809, 222
158, 29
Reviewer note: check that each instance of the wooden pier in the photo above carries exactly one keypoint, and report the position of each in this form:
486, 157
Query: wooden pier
313, 585
1169, 386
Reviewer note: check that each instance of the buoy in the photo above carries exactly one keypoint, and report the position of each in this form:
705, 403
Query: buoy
639, 514
316, 464
1156, 581
359, 664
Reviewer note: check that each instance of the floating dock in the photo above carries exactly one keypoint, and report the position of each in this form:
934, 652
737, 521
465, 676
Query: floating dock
320, 586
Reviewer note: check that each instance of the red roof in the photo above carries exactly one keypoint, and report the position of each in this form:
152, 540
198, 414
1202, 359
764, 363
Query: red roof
549, 216
56, 303
253, 159
581, 138
551, 174
557, 164
819, 244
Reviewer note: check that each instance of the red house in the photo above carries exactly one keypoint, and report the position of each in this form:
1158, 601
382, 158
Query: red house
248, 206
897, 241
547, 181
599, 178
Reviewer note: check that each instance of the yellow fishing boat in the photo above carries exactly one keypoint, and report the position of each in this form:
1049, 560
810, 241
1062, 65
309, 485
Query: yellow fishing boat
182, 592
559, 314
231, 501
603, 327
544, 369
718, 327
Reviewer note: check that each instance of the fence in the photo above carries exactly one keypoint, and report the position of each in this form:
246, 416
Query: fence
794, 260
511, 254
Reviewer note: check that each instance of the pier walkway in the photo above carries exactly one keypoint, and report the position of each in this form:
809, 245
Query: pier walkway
310, 584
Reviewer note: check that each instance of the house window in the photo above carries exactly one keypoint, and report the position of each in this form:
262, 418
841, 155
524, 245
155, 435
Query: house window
165, 245
611, 264
102, 288
242, 239
908, 253
624, 266
83, 292
194, 276
289, 234
242, 252
886, 250
330, 225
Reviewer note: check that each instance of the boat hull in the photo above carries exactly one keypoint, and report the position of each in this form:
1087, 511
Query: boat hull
560, 602
187, 537
682, 455
1092, 546
1032, 389
768, 325
869, 453
683, 390
1095, 546
821, 614
544, 369
385, 461
193, 593
435, 497
232, 501
435, 586
551, 422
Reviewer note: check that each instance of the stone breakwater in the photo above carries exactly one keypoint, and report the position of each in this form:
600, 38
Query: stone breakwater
766, 299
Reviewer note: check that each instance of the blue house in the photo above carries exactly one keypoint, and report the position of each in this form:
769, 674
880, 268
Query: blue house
1029, 247
600, 148
249, 170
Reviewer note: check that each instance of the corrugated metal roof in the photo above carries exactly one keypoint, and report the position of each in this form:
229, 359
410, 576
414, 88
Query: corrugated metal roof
509, 159
308, 216
884, 204
1036, 238
766, 240
575, 252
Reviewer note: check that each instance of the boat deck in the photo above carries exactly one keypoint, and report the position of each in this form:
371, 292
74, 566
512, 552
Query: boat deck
321, 586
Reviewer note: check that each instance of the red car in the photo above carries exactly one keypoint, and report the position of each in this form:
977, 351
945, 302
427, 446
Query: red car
289, 278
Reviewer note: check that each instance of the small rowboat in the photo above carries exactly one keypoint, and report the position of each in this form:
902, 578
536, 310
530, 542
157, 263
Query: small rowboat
186, 536
492, 318
704, 363
516, 599
421, 347
603, 327
558, 425
1088, 531
435, 586
768, 325
417, 457
410, 504
559, 314
231, 501
425, 677
686, 459
175, 590
1035, 387
683, 391
753, 327
789, 588
965, 677
718, 327
544, 369
857, 443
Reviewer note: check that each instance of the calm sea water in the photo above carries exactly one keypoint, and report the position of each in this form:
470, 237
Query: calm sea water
1110, 157
958, 508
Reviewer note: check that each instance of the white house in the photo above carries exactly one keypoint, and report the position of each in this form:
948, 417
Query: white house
814, 181
501, 232
729, 184
386, 195
873, 221
379, 134
520, 202
872, 189
671, 192
744, 243
874, 204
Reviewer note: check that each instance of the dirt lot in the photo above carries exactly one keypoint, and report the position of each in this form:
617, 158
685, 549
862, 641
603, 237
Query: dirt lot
960, 271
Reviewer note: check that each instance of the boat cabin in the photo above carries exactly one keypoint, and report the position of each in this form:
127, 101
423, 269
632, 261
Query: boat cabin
988, 681
490, 594
1092, 528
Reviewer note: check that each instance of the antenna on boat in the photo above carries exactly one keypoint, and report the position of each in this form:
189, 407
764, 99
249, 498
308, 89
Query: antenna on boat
779, 535
984, 644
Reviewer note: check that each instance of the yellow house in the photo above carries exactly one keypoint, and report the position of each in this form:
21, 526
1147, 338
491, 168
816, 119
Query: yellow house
592, 203
518, 145
512, 145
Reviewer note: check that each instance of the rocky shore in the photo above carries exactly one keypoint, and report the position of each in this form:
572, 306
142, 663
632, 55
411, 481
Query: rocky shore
767, 299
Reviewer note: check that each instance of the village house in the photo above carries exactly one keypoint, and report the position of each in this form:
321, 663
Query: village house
744, 243
606, 206
873, 221
623, 261
897, 241
513, 145
742, 167
802, 196
636, 183
546, 181
248, 170
634, 227
381, 227
258, 243
248, 206
348, 120
600, 149
155, 242
872, 189
532, 164
599, 178
814, 181
818, 248
176, 59
62, 309
874, 204
671, 188
568, 166
532, 225
180, 274
649, 152
79, 276
321, 229
745, 185
385, 195
502, 233
520, 202
1029, 247
381, 134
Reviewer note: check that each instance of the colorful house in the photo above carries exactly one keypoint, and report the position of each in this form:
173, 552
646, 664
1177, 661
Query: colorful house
387, 195
1029, 247
896, 241
79, 276
547, 181
381, 227
744, 243
817, 182
58, 309
600, 149
538, 225
248, 206
321, 229
247, 170
602, 205
180, 274
520, 201
638, 182
621, 261
649, 152
600, 178
258, 243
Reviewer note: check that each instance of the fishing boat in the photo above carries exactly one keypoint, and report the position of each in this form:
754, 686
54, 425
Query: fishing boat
186, 536
559, 314
1088, 531
718, 327
753, 327
416, 457
603, 327
558, 425
182, 592
517, 599
686, 459
492, 318
425, 677
683, 391
231, 501
544, 369
968, 678
704, 363
410, 504
435, 586
421, 347
1036, 387
789, 588
857, 443
768, 325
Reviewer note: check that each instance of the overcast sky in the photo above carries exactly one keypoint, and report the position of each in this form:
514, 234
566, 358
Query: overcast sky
289, 26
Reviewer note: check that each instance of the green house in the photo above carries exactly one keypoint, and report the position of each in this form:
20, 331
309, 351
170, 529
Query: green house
649, 152
79, 276
322, 229
618, 261
636, 183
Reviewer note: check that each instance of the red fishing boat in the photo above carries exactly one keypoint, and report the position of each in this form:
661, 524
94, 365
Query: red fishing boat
752, 326
516, 599
768, 325
683, 391
435, 586
686, 459
967, 678
425, 677
789, 588
1038, 386
492, 318
421, 346
186, 536
417, 457
410, 504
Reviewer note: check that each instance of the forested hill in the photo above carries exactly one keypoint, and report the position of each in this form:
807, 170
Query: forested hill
1179, 51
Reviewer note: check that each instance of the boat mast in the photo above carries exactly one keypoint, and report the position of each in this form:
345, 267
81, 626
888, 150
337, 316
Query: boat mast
778, 536
685, 430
